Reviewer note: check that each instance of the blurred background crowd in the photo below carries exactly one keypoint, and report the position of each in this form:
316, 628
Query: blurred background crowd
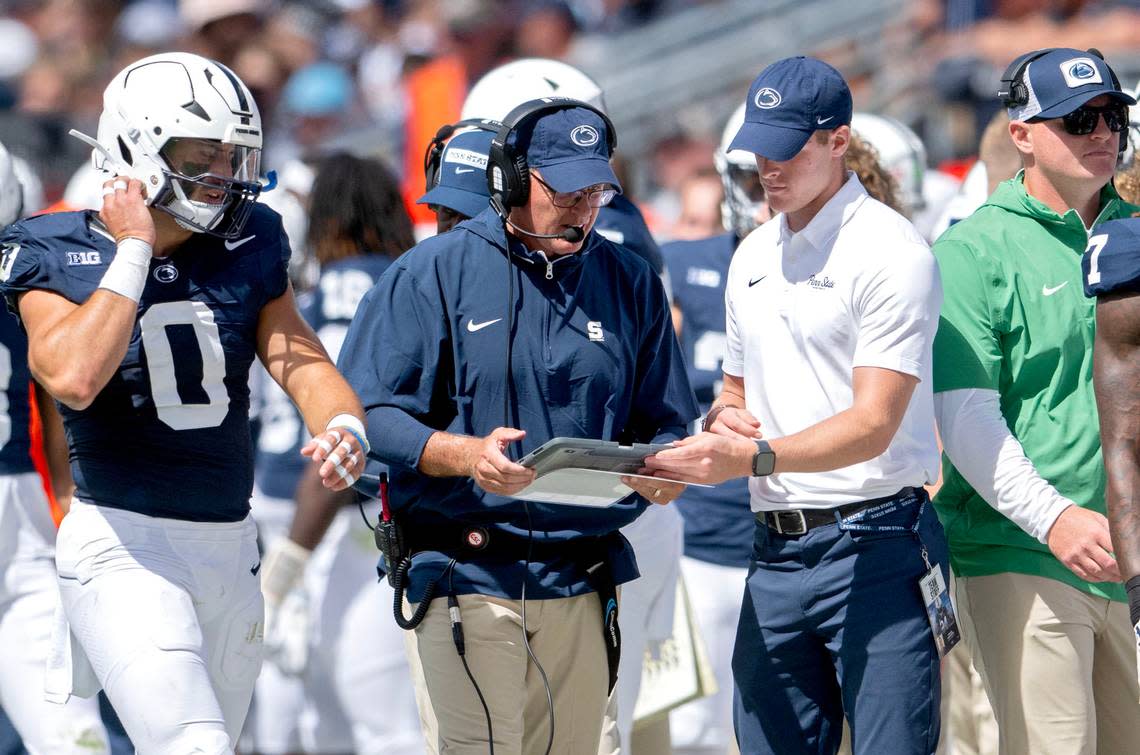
378, 77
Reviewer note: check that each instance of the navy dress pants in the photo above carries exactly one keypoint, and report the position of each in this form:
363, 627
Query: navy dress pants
833, 621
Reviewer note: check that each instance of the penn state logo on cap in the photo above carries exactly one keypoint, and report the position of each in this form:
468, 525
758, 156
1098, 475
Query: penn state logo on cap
1080, 71
1058, 80
584, 135
767, 98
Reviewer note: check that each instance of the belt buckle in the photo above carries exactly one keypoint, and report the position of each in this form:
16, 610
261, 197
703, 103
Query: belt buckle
800, 523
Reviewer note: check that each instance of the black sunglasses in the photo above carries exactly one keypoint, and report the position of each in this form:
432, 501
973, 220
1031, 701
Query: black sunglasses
1084, 120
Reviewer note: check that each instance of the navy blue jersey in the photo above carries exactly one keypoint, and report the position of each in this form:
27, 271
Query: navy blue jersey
15, 413
718, 522
328, 308
1111, 263
168, 436
621, 222
593, 356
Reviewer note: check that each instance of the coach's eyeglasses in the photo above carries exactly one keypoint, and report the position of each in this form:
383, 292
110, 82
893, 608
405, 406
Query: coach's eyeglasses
1083, 121
598, 195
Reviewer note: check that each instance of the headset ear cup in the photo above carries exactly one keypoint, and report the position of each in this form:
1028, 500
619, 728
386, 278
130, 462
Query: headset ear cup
521, 181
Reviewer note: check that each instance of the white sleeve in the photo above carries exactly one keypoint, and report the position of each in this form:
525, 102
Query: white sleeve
979, 443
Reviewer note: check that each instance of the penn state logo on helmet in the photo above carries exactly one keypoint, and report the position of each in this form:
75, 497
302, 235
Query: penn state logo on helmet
584, 135
1079, 72
767, 98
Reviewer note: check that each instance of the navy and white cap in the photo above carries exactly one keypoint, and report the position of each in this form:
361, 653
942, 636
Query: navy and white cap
570, 149
788, 101
462, 176
1062, 80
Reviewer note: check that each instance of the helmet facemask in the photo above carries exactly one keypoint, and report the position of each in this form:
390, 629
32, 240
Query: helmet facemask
744, 202
210, 186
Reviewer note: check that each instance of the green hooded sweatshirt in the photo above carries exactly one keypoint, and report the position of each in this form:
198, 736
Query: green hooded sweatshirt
1015, 320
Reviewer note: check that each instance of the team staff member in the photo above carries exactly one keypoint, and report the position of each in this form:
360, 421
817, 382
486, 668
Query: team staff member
457, 188
831, 313
592, 354
1023, 491
143, 321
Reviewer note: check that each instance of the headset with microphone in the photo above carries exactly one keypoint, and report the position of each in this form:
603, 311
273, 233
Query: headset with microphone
508, 175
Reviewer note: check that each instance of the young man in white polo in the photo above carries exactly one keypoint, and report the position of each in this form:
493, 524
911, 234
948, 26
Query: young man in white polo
831, 310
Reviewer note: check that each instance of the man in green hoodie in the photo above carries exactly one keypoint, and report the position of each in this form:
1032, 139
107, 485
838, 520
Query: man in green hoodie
1023, 498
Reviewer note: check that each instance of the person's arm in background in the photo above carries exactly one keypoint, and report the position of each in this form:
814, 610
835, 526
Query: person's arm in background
55, 448
1116, 380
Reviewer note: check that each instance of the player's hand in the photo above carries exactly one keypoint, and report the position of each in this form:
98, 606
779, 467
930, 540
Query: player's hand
287, 630
1080, 540
491, 468
124, 210
340, 455
736, 421
660, 491
709, 457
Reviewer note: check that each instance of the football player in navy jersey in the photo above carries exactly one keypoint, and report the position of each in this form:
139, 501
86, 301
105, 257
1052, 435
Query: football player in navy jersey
718, 522
322, 694
142, 321
28, 591
1111, 268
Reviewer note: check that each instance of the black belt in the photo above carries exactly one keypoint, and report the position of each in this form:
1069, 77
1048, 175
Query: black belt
797, 522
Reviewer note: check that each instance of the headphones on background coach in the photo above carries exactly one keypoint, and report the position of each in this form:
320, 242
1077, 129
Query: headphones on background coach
433, 155
508, 175
1014, 92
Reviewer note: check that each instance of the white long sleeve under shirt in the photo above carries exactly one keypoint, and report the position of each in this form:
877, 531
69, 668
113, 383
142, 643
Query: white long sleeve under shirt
980, 445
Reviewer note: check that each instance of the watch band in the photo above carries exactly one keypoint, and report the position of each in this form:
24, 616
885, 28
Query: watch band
710, 418
764, 461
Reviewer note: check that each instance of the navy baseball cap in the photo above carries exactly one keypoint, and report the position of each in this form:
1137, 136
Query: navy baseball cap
788, 101
462, 174
1061, 80
569, 148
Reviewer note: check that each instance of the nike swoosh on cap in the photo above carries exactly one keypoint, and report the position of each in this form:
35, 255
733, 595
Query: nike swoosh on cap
473, 327
232, 245
1047, 291
752, 283
820, 121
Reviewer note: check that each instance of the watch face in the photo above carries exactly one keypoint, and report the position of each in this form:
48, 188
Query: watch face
764, 461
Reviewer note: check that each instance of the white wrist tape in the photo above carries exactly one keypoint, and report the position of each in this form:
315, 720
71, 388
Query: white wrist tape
126, 275
353, 425
284, 566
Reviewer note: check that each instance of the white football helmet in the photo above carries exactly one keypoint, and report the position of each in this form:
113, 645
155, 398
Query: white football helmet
189, 130
1132, 136
11, 191
743, 203
901, 154
502, 89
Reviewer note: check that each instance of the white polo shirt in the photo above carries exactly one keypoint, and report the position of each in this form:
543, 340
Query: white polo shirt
857, 287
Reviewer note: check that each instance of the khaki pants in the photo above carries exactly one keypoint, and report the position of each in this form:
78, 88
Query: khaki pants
1059, 665
565, 635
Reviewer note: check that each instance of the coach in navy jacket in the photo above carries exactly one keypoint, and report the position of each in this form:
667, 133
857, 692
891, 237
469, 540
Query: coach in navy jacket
592, 355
